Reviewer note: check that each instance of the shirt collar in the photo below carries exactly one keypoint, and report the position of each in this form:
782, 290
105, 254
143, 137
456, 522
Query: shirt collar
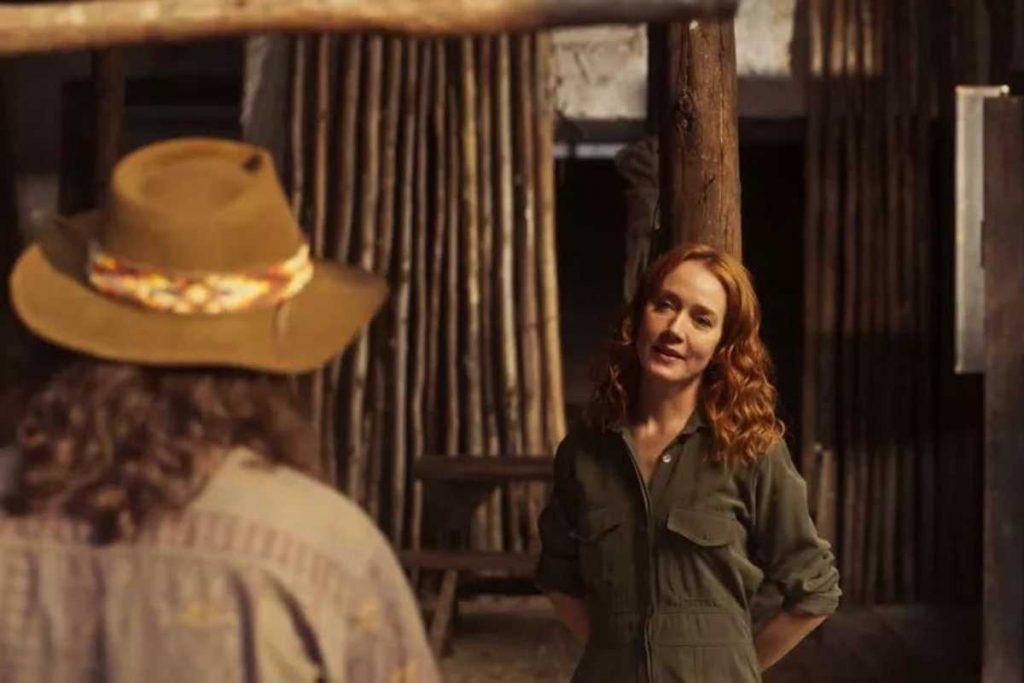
698, 421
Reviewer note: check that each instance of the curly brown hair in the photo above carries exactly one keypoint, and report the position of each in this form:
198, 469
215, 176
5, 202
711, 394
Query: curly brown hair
737, 395
113, 444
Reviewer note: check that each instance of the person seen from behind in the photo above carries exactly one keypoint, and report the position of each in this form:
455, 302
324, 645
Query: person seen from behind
164, 521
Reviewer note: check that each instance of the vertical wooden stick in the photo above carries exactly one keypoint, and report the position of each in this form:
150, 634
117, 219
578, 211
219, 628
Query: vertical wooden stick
866, 344
874, 467
400, 394
554, 395
345, 151
299, 123
357, 446
473, 419
848, 408
816, 102
418, 408
440, 94
529, 329
898, 420
323, 424
925, 382
512, 426
382, 380
452, 346
348, 108
492, 435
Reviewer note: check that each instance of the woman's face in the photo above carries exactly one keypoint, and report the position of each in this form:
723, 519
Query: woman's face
682, 325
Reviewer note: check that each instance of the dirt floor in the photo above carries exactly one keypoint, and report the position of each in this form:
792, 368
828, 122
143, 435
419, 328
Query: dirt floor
517, 640
509, 640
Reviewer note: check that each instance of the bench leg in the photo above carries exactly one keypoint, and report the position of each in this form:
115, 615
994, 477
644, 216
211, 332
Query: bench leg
440, 622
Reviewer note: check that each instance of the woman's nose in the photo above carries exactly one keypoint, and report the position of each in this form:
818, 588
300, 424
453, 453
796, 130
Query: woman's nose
676, 328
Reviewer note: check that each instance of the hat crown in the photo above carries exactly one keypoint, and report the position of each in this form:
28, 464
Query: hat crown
199, 205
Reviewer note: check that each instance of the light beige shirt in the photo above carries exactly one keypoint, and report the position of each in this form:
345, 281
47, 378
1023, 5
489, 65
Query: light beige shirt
266, 576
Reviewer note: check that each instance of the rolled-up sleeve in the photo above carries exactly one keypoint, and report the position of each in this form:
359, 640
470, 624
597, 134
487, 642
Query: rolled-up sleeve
558, 568
789, 549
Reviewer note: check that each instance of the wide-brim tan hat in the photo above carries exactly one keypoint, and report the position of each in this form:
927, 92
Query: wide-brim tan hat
197, 261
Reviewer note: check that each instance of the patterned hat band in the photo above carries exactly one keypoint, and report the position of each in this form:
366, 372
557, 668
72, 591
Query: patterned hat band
198, 293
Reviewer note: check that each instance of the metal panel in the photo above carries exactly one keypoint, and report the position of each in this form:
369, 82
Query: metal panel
970, 201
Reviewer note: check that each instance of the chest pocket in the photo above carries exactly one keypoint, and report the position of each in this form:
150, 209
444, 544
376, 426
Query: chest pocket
696, 566
604, 553
704, 529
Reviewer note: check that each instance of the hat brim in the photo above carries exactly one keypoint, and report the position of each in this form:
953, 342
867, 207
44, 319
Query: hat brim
51, 296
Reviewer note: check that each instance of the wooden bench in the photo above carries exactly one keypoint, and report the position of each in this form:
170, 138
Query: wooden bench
471, 480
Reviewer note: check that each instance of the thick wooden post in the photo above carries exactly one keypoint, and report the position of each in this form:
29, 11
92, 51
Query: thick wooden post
108, 84
1003, 248
699, 149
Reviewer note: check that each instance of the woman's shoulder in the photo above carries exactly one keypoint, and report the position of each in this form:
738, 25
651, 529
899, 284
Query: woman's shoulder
776, 461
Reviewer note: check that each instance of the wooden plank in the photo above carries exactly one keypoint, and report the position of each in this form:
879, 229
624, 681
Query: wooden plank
1003, 591
474, 468
518, 564
50, 26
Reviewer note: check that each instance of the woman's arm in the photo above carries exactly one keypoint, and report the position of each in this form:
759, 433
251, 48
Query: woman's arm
558, 571
792, 555
780, 634
572, 612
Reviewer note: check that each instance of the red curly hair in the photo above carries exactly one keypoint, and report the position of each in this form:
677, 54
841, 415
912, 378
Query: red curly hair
737, 395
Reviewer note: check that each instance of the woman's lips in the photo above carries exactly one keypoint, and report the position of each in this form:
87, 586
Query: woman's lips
667, 352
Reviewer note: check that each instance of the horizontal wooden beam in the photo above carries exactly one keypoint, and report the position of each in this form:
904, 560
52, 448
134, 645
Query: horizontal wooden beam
513, 564
53, 26
483, 469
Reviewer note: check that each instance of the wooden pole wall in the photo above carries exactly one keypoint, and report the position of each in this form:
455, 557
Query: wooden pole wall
442, 179
878, 391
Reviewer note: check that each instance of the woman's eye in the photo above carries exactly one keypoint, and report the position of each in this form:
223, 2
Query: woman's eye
703, 322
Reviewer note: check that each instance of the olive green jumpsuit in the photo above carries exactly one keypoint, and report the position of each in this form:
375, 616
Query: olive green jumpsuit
668, 568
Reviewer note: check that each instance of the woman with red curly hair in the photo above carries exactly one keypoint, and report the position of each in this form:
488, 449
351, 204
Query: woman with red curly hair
678, 497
